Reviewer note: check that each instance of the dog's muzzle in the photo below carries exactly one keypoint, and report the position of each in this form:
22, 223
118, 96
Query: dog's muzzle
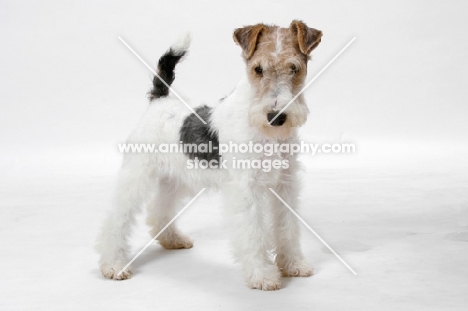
279, 120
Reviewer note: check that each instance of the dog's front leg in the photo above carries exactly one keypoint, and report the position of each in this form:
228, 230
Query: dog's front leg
252, 237
289, 257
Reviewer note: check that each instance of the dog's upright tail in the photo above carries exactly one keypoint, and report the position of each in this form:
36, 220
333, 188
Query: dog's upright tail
166, 66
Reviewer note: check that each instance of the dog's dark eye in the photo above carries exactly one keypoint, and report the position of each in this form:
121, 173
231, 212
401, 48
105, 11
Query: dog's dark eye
294, 69
259, 70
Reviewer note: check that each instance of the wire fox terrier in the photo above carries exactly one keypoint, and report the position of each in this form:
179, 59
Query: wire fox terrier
265, 234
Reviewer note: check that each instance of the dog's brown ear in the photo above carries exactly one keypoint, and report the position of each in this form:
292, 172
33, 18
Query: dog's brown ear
247, 37
307, 38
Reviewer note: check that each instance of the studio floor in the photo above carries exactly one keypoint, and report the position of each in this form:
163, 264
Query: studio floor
401, 223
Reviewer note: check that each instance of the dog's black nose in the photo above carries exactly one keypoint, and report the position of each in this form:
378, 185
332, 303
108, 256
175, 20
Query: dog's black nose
278, 121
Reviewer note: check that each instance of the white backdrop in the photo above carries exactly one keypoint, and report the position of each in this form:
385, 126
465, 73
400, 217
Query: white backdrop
70, 91
63, 66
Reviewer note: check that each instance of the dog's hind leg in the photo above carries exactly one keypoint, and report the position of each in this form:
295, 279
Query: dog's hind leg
162, 209
133, 184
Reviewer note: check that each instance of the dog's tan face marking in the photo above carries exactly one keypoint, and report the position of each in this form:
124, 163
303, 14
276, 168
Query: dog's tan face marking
276, 63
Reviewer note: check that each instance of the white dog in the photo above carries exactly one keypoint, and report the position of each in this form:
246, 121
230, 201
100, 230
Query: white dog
265, 234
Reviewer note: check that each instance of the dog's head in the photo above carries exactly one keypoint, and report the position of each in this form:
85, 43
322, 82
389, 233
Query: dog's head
276, 60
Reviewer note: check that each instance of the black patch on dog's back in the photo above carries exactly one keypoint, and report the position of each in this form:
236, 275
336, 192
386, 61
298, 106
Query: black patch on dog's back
193, 131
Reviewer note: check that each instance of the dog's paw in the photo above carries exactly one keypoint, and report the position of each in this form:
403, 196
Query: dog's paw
176, 242
115, 272
297, 269
264, 284
270, 280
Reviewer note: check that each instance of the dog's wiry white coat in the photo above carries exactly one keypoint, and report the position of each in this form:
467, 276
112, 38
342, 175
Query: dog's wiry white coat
260, 225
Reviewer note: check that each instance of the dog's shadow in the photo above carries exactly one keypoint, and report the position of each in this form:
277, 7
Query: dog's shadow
150, 257
195, 269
